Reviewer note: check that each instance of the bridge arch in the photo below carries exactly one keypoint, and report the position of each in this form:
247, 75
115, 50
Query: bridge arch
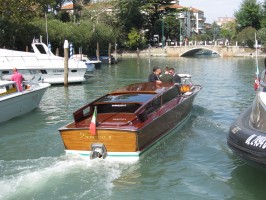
193, 51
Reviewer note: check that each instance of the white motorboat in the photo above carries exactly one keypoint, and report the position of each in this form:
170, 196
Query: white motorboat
14, 103
41, 64
91, 64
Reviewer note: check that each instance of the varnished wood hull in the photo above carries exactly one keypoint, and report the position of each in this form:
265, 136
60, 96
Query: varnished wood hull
114, 140
163, 124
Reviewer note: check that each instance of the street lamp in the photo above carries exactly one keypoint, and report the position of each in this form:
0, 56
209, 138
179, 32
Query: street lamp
180, 32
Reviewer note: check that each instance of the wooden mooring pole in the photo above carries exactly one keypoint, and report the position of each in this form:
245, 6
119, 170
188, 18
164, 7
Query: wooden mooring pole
57, 52
109, 53
98, 52
66, 63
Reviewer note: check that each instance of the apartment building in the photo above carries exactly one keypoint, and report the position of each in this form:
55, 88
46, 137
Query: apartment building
192, 19
223, 20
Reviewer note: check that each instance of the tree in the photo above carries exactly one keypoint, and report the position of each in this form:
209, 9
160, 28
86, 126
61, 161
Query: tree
135, 39
19, 11
129, 14
247, 37
153, 12
248, 15
171, 27
263, 15
229, 31
262, 36
215, 31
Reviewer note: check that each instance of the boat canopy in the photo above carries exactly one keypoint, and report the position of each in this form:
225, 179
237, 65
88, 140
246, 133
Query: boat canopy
125, 98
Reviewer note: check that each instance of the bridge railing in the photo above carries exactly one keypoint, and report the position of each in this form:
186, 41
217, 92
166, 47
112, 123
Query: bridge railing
200, 43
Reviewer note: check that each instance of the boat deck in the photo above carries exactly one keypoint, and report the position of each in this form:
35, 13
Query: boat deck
107, 120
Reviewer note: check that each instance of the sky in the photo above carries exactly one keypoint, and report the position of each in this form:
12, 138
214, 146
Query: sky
214, 8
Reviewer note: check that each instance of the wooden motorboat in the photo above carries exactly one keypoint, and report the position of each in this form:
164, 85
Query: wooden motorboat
129, 120
14, 103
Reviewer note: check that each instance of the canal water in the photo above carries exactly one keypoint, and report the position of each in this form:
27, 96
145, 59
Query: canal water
194, 163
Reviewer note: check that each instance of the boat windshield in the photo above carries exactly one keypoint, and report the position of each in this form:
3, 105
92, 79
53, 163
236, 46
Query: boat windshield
40, 47
8, 89
126, 103
126, 98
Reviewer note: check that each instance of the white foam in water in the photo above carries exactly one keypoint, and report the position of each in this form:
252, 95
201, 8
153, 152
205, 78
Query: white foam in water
29, 176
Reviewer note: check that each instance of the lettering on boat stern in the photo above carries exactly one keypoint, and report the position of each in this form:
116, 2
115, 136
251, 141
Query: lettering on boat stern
87, 135
256, 141
236, 129
58, 71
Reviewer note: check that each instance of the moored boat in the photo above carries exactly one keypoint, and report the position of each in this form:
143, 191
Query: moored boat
105, 59
91, 64
129, 121
14, 103
41, 64
247, 135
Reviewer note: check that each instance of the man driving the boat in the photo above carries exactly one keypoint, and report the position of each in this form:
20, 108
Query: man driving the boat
18, 78
167, 77
154, 76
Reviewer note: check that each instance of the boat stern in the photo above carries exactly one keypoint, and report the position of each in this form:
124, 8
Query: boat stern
105, 144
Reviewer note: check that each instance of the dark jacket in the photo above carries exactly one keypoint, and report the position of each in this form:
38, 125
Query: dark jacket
177, 79
153, 78
167, 78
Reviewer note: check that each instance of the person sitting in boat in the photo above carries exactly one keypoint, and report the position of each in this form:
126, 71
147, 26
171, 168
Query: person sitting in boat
176, 78
154, 76
166, 70
18, 78
167, 77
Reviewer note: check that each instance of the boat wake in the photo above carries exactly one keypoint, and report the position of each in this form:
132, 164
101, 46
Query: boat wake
32, 179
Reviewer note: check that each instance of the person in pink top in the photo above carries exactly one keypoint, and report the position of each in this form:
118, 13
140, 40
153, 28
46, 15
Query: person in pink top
16, 76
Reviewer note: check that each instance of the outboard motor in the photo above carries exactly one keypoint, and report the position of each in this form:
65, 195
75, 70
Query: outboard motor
98, 151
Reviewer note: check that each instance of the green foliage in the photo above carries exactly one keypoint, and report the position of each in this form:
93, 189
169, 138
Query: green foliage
19, 11
261, 35
135, 39
214, 31
247, 37
129, 15
85, 34
201, 37
263, 15
153, 14
64, 16
132, 23
229, 31
172, 28
249, 14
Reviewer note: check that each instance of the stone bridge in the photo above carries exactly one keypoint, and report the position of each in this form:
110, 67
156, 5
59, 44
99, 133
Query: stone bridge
190, 50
